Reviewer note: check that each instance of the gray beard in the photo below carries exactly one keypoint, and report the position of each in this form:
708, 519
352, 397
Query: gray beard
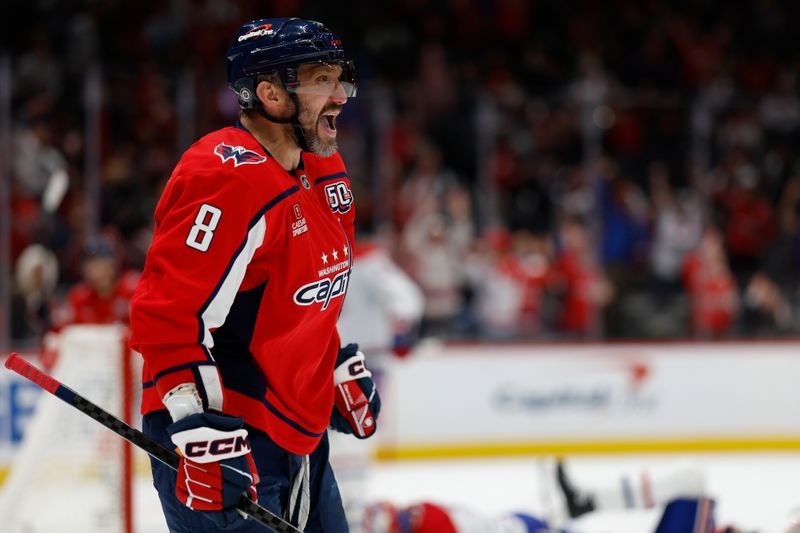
315, 144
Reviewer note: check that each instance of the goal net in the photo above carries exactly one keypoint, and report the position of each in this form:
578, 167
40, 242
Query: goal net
70, 474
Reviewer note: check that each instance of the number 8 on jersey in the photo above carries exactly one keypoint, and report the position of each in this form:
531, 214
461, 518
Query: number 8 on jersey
204, 225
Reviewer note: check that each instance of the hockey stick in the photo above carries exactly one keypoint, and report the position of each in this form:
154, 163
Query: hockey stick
133, 435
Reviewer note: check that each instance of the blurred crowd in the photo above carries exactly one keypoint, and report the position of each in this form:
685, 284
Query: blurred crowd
541, 169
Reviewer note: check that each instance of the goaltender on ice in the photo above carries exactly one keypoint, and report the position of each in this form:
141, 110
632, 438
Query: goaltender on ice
235, 314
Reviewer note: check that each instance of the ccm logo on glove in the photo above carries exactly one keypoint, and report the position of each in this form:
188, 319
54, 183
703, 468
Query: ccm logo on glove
357, 367
207, 444
217, 447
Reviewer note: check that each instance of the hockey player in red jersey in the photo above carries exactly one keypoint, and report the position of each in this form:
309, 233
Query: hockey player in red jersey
236, 311
103, 296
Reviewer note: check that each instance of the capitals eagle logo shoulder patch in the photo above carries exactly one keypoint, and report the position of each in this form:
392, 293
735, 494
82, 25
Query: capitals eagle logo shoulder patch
239, 154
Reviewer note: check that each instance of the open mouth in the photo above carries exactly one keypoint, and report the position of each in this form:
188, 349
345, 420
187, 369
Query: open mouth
328, 122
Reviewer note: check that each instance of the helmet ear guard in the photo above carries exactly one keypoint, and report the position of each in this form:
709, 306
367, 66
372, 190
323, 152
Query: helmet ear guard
246, 92
245, 89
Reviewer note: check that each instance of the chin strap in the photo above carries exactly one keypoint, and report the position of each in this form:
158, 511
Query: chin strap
294, 120
299, 134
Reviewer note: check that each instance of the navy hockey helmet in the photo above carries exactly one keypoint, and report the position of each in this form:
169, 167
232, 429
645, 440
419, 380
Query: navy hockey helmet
280, 46
98, 247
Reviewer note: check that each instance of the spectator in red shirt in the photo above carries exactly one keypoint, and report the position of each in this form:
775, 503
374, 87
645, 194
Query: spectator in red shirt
750, 222
712, 289
585, 288
509, 274
103, 297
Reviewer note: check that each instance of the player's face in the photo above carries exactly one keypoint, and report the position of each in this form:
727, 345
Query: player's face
321, 97
100, 272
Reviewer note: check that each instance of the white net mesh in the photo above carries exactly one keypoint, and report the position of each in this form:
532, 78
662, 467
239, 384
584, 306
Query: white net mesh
69, 474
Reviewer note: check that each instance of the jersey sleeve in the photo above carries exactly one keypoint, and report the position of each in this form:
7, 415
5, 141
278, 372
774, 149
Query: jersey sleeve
207, 231
349, 217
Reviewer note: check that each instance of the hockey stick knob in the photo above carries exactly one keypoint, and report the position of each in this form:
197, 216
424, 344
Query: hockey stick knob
27, 370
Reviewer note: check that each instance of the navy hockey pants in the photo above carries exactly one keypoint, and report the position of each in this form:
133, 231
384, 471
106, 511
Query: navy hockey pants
276, 467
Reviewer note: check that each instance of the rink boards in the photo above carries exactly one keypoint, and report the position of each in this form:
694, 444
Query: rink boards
489, 400
18, 398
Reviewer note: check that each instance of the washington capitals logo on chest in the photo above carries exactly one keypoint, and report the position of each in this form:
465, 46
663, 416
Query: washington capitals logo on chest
339, 196
332, 279
239, 154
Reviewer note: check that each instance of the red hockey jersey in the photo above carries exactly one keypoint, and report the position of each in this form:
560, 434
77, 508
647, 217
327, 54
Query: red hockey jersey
84, 305
243, 284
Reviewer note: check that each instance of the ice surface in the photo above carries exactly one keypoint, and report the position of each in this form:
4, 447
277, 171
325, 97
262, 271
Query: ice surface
756, 492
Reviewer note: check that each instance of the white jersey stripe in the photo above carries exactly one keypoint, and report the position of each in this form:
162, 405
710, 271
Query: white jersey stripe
217, 310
